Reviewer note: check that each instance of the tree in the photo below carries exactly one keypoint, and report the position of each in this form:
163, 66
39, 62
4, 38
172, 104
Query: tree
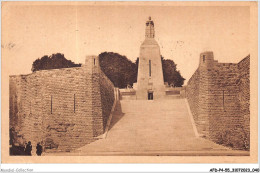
122, 72
54, 61
170, 73
119, 69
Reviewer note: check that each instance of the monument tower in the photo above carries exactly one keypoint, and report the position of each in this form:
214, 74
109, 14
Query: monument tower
150, 84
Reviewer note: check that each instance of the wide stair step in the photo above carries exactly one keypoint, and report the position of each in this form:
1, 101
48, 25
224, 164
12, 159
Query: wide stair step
157, 127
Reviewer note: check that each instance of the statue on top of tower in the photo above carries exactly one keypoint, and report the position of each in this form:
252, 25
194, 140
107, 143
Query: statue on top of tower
149, 31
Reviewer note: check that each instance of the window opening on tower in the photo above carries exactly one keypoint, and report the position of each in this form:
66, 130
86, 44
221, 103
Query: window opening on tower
150, 70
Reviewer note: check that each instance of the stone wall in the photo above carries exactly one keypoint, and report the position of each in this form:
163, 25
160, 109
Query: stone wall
244, 94
218, 94
192, 93
107, 97
63, 108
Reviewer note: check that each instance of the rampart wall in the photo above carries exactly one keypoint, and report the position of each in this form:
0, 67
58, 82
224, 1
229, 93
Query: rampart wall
62, 108
219, 96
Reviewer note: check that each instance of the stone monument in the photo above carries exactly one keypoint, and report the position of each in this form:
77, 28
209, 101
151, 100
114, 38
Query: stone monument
150, 83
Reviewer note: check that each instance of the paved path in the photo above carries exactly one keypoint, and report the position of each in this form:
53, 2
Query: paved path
153, 128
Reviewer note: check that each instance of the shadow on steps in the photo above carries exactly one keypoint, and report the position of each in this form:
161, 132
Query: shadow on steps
117, 115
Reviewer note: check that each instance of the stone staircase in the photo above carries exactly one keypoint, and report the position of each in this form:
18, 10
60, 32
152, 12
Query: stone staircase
153, 127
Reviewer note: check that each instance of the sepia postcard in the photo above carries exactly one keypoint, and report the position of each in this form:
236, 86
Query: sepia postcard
129, 82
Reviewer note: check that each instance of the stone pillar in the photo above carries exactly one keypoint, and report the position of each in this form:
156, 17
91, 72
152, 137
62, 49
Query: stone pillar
92, 67
92, 64
206, 63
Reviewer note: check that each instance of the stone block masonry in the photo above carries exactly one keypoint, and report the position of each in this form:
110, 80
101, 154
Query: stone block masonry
219, 97
62, 108
244, 94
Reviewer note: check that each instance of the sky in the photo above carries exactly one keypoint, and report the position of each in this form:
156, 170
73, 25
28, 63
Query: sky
183, 32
